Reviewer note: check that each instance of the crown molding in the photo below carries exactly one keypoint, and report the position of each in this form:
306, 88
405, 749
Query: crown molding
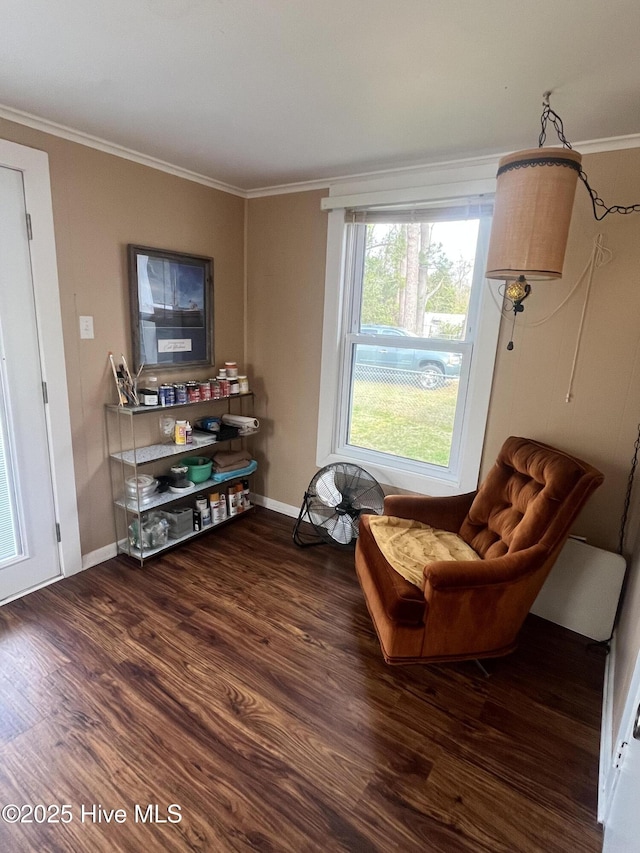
86, 139
382, 174
613, 143
594, 146
286, 189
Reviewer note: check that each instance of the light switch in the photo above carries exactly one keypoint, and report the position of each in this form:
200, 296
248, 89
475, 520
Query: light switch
86, 327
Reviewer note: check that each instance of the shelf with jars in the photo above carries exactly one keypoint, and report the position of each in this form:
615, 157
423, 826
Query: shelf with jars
178, 470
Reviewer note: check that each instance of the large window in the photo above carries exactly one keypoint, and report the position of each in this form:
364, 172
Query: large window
411, 386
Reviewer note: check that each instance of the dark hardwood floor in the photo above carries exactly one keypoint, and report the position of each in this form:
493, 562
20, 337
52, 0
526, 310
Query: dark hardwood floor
240, 678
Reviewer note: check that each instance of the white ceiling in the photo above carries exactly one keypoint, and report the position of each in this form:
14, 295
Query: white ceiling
258, 93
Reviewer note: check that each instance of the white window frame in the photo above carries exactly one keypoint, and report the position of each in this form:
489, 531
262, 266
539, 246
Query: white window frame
463, 472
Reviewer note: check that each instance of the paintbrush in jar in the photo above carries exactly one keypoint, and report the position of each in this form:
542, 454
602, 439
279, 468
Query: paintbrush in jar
122, 398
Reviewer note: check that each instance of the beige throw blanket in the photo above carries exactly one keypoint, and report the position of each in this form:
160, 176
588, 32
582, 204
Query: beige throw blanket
409, 545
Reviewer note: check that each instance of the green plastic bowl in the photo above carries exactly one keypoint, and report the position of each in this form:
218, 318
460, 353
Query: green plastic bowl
199, 468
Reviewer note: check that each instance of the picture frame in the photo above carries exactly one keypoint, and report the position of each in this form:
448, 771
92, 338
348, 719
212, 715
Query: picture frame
171, 296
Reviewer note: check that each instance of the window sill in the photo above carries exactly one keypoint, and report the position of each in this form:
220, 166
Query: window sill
398, 478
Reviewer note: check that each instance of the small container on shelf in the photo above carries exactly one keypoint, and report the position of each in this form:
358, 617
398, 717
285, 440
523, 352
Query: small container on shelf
234, 497
214, 506
167, 428
152, 533
148, 397
180, 521
224, 513
166, 395
199, 468
180, 432
202, 506
193, 392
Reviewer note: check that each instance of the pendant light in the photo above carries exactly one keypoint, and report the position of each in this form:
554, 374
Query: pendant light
535, 191
532, 213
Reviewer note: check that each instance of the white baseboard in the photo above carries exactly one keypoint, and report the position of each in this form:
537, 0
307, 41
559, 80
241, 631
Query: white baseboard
276, 506
606, 767
99, 556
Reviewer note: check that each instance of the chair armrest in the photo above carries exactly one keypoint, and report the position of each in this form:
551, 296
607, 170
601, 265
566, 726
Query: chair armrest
445, 513
459, 574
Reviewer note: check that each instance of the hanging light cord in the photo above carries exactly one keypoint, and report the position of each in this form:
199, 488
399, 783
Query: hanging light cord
598, 259
549, 115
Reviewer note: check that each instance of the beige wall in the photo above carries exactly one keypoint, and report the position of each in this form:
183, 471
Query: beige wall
101, 203
286, 246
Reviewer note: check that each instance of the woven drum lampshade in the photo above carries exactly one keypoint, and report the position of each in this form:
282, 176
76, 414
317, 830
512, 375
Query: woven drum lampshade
532, 213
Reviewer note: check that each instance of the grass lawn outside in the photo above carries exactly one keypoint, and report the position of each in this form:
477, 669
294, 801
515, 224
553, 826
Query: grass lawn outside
398, 418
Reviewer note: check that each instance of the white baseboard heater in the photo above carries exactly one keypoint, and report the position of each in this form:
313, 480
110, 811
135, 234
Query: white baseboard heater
582, 590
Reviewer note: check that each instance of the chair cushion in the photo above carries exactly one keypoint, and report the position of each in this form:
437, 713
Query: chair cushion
408, 546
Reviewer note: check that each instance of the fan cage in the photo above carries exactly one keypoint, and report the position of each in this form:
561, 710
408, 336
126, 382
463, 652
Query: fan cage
336, 497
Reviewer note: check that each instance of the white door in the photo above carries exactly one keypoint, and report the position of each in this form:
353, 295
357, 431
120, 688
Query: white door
622, 821
29, 553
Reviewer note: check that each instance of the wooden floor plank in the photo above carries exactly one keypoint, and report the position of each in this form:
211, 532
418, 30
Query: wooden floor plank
240, 678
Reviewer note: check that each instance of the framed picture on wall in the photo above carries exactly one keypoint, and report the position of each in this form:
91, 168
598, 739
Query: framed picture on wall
171, 308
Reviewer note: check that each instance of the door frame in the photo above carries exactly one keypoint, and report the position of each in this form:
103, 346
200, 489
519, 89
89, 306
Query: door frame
612, 754
34, 165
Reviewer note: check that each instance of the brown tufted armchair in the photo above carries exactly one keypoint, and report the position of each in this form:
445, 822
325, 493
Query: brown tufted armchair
516, 522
